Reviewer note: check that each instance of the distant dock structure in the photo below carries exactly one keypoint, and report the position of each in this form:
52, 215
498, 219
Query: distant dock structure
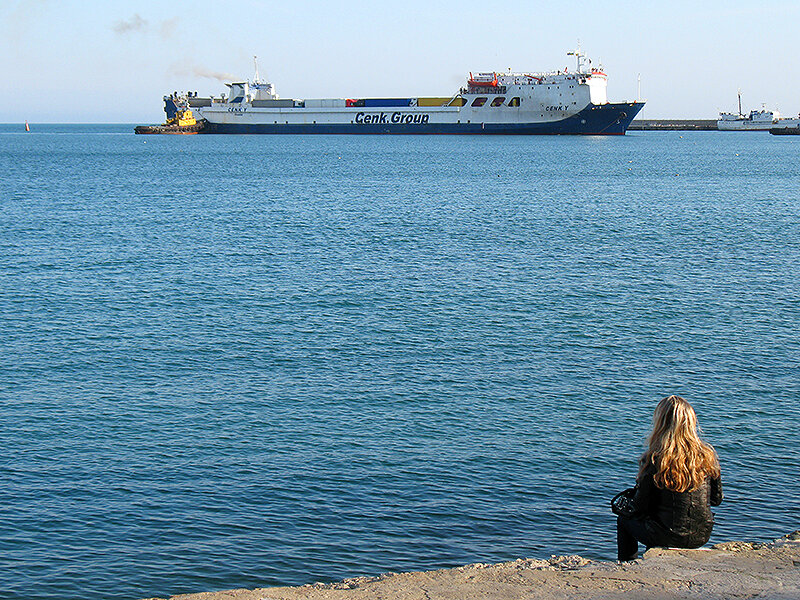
673, 125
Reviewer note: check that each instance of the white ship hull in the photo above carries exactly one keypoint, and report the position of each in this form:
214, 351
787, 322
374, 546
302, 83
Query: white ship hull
590, 119
744, 125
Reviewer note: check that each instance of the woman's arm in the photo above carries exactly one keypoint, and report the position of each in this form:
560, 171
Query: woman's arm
716, 491
645, 490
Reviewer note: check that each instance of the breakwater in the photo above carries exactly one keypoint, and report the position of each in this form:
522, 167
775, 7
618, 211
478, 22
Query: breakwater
673, 125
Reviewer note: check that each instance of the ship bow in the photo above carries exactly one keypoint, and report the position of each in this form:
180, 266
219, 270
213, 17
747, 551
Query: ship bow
608, 119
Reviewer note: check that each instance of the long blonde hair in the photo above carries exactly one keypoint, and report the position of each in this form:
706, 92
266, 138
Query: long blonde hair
681, 459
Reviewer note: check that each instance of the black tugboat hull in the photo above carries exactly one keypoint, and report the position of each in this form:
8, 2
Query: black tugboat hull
170, 129
785, 131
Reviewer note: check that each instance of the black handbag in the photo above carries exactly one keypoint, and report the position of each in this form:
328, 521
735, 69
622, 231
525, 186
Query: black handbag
622, 503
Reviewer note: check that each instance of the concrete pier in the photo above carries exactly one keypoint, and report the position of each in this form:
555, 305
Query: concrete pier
722, 572
673, 125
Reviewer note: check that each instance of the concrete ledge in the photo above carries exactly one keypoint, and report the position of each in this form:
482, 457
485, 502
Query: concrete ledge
725, 571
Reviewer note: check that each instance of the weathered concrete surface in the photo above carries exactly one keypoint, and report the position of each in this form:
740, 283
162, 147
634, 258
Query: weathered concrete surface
731, 570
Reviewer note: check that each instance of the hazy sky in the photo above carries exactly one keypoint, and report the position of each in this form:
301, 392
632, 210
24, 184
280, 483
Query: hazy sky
112, 61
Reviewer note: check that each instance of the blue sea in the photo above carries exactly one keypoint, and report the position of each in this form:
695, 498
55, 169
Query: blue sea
251, 361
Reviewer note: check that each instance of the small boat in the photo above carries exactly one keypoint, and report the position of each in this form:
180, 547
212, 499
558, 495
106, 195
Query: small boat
757, 120
786, 127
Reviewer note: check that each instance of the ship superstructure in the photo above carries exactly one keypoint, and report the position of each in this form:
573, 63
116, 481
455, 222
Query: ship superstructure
556, 102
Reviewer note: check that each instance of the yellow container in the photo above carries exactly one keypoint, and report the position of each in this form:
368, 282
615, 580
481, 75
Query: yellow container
433, 101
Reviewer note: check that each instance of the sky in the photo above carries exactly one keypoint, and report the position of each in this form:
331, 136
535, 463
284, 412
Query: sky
87, 61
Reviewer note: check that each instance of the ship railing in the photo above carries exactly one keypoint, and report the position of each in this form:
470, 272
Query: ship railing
484, 89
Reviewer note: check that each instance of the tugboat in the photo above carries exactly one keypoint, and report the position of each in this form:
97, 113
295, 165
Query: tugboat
180, 119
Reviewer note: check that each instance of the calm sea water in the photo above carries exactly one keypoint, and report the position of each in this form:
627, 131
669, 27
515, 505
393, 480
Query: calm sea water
242, 361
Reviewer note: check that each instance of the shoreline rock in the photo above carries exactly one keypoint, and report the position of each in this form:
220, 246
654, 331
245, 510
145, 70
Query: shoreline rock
724, 571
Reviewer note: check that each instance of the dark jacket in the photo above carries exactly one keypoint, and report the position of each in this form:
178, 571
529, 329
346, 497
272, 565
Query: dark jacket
681, 519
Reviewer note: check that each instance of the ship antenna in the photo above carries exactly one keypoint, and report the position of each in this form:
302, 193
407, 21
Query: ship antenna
579, 56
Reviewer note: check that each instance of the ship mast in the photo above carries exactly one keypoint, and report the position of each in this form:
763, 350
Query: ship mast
739, 93
255, 63
579, 56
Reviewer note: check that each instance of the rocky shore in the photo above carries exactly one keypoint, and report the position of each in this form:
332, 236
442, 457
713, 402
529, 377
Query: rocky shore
724, 571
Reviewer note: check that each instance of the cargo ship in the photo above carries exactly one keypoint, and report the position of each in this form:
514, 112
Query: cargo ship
555, 103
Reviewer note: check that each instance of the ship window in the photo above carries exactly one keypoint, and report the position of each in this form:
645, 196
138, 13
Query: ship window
479, 101
498, 101
514, 101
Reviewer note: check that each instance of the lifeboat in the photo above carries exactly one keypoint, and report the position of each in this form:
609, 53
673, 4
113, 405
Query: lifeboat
483, 80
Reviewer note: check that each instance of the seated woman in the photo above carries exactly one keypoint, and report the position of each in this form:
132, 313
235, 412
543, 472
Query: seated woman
678, 482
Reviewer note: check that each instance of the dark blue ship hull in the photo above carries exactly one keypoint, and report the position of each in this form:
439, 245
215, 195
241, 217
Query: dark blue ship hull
600, 119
